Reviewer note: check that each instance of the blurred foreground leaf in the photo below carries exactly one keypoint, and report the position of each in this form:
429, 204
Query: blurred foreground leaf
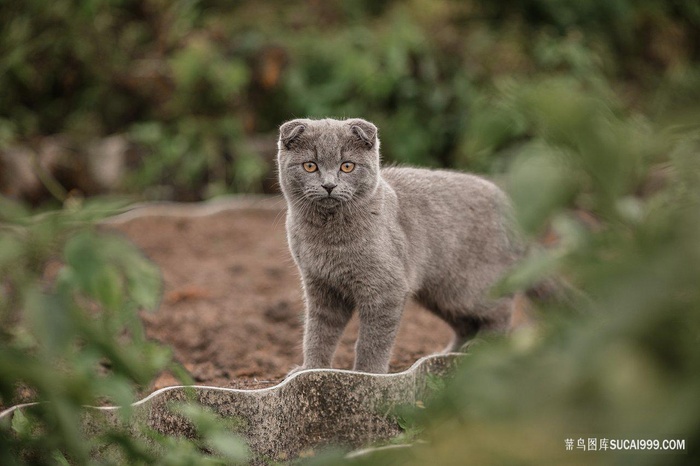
70, 337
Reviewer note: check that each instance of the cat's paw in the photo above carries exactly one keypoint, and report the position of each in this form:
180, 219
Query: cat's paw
295, 370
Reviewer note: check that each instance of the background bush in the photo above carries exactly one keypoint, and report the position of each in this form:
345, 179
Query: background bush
192, 83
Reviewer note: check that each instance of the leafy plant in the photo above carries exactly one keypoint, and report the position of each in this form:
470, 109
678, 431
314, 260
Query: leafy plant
70, 337
190, 82
618, 360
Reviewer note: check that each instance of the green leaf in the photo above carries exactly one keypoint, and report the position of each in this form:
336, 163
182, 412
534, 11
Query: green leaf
113, 271
21, 423
540, 182
59, 458
83, 256
229, 446
109, 289
11, 250
144, 282
50, 319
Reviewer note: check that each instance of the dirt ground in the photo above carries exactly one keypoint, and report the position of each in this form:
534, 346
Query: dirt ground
232, 308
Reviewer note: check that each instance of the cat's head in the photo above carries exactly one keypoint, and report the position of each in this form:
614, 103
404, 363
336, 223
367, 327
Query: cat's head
327, 163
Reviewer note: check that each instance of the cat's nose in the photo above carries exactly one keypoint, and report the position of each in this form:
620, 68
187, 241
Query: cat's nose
328, 186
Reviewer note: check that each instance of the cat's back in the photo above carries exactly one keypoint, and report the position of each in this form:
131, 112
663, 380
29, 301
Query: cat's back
444, 191
452, 221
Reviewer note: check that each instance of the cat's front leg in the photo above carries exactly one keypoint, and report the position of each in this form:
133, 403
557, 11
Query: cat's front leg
378, 327
327, 316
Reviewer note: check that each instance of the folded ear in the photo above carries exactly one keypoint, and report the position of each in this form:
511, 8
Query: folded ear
365, 131
290, 131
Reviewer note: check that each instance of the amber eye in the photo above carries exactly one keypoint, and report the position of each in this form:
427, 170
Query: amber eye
347, 167
310, 167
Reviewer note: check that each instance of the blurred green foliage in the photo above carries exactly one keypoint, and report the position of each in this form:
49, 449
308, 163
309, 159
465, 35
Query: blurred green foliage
71, 336
192, 82
619, 360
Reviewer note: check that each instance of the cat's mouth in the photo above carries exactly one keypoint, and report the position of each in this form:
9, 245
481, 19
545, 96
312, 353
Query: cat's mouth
327, 202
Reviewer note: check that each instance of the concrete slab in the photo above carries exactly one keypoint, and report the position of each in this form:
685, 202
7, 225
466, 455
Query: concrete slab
306, 412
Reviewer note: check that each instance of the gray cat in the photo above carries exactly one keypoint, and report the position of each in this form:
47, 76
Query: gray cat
367, 239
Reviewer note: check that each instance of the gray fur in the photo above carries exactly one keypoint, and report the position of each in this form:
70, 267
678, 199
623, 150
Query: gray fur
381, 236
